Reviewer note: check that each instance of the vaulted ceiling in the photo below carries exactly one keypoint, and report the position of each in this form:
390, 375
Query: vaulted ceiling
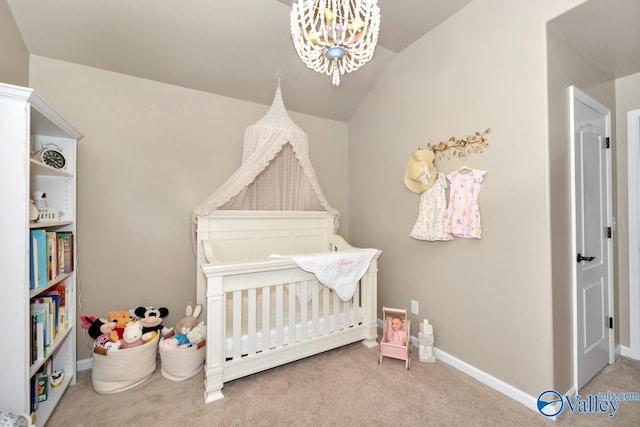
233, 48
237, 48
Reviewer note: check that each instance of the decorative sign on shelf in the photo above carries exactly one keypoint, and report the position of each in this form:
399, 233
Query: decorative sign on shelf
47, 214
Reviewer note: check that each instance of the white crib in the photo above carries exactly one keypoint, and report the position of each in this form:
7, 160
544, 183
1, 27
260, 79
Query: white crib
254, 315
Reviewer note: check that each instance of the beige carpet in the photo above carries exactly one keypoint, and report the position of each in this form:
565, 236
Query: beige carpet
345, 386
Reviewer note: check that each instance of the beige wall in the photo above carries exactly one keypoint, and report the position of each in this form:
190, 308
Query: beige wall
151, 153
490, 300
627, 99
14, 57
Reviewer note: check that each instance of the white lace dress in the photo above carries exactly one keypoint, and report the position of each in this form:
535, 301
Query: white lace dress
433, 204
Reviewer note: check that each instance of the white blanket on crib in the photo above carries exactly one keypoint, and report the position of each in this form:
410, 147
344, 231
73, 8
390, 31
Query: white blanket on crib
339, 271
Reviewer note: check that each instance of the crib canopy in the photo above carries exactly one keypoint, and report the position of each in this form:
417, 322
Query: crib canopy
275, 174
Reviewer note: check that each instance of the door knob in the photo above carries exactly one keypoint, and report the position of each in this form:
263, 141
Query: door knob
585, 258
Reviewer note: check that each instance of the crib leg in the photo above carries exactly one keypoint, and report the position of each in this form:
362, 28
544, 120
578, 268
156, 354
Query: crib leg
212, 396
213, 386
370, 343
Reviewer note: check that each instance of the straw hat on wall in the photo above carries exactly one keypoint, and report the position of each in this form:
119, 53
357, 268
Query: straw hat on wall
420, 173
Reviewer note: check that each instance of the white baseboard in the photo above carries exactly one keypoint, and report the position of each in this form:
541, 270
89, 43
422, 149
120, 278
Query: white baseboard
623, 350
84, 364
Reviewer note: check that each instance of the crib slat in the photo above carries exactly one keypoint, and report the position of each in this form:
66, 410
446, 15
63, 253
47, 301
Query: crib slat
356, 305
314, 309
266, 319
346, 310
302, 303
336, 312
292, 312
251, 321
237, 324
325, 311
279, 316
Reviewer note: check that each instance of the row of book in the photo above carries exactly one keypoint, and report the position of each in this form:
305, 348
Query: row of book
49, 316
51, 254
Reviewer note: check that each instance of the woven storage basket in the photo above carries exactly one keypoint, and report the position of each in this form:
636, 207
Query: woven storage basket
121, 370
182, 364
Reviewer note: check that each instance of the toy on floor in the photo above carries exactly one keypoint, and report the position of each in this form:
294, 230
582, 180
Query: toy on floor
426, 339
396, 329
151, 318
121, 317
187, 323
133, 336
198, 334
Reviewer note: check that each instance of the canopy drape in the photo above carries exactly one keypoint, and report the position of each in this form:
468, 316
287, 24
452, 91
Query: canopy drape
275, 174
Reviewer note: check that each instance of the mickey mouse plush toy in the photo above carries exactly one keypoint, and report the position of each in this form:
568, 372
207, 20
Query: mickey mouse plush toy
151, 318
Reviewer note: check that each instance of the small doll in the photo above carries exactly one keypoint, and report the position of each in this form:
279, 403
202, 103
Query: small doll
398, 334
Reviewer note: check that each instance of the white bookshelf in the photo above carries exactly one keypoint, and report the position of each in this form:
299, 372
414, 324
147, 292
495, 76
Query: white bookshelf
26, 123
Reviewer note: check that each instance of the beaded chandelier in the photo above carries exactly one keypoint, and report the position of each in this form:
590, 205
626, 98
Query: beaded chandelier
335, 37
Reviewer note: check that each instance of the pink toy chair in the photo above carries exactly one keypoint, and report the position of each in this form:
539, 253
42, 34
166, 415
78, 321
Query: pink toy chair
389, 349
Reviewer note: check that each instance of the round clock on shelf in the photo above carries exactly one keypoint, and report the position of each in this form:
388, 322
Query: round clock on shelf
51, 155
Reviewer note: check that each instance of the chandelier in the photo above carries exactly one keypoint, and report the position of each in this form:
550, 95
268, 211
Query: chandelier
335, 37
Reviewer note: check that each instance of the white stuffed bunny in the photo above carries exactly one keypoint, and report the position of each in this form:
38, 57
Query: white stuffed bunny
197, 334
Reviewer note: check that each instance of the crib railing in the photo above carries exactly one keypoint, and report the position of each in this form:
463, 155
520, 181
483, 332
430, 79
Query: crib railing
264, 314
270, 316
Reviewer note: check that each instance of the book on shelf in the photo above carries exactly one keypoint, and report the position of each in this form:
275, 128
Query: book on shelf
44, 380
40, 316
52, 255
48, 304
60, 291
43, 387
33, 345
33, 262
53, 298
34, 394
40, 257
65, 251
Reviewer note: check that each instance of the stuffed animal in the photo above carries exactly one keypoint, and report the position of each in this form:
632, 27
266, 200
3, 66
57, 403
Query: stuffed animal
151, 318
121, 317
187, 323
197, 334
104, 342
133, 336
171, 344
97, 327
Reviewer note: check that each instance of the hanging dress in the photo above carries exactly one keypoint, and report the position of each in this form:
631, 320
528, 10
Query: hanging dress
462, 217
433, 203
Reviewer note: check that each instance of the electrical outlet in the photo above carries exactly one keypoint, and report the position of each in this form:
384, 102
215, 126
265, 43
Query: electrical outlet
414, 307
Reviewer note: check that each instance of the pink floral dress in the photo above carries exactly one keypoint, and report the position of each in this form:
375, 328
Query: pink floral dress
433, 203
462, 217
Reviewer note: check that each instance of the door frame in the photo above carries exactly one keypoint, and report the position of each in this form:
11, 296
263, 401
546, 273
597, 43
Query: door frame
633, 156
576, 94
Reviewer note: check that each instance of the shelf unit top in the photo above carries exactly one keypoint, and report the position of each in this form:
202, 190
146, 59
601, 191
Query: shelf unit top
44, 119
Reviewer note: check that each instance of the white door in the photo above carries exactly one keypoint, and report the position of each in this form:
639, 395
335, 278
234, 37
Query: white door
593, 247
